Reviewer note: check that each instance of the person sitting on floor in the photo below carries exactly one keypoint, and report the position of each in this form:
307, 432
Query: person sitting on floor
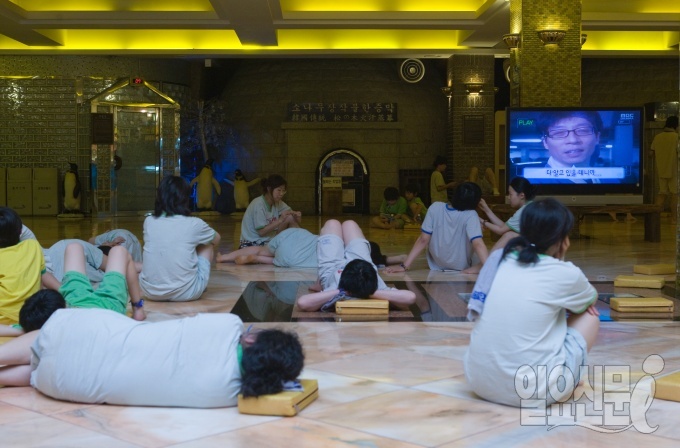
392, 211
451, 233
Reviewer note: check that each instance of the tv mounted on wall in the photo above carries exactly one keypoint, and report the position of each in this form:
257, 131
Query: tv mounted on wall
579, 155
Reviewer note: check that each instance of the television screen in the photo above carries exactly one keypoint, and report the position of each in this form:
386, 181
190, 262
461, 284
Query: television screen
577, 151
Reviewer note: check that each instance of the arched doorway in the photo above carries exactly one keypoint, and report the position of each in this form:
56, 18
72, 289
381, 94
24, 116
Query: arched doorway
342, 183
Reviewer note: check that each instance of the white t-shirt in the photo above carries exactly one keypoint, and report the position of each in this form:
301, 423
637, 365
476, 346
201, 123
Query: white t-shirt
131, 242
513, 222
170, 261
452, 232
100, 356
524, 322
258, 215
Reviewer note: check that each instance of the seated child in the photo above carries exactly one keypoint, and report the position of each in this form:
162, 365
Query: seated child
392, 211
451, 233
21, 266
98, 356
416, 208
345, 270
523, 306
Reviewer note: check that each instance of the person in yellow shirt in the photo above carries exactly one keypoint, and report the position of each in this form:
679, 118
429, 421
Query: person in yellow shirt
21, 264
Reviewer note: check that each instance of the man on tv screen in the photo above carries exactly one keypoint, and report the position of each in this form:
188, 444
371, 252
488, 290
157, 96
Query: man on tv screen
570, 137
576, 147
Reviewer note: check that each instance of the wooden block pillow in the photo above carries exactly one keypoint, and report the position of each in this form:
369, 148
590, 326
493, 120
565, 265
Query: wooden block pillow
654, 269
362, 306
668, 387
285, 403
639, 281
641, 305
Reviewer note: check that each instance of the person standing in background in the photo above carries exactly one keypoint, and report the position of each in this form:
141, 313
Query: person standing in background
665, 150
438, 186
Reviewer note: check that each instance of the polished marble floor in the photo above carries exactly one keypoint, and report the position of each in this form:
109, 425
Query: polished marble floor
391, 384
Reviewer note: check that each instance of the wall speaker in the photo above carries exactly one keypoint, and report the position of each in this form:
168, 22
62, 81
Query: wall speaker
412, 70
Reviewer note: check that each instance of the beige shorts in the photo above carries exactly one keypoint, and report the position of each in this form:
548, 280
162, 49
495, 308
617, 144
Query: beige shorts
668, 185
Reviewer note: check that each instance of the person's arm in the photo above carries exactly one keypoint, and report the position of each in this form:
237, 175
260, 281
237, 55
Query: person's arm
9, 331
49, 281
420, 244
216, 239
267, 229
315, 300
399, 297
482, 252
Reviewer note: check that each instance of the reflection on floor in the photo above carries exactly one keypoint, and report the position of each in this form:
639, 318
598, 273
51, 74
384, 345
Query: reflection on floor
390, 384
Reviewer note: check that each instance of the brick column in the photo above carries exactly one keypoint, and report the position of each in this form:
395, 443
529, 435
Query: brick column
546, 75
471, 117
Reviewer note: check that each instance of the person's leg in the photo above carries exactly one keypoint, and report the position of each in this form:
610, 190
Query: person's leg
15, 355
263, 255
288, 222
351, 231
586, 324
119, 260
74, 258
231, 256
332, 227
379, 223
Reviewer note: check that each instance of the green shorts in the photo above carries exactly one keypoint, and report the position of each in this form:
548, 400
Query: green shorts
112, 293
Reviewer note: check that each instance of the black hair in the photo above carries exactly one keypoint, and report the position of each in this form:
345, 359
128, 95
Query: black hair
391, 194
522, 185
38, 308
543, 224
376, 255
275, 356
272, 182
173, 197
438, 161
105, 249
672, 122
10, 227
359, 279
466, 196
412, 187
547, 119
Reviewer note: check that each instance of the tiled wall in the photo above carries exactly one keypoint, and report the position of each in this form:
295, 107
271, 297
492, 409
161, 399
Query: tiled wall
466, 108
45, 116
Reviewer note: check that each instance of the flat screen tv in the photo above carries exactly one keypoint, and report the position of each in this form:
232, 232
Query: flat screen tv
578, 155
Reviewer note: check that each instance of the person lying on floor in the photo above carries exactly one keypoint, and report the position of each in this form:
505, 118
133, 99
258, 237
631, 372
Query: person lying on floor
77, 291
295, 248
345, 270
99, 356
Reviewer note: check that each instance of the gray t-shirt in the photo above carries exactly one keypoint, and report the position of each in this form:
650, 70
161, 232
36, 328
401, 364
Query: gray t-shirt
524, 322
258, 214
170, 261
100, 356
294, 248
131, 242
93, 260
451, 233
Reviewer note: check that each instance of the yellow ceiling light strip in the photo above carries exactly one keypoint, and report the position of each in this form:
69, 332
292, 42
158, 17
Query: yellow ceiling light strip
631, 6
114, 5
627, 41
381, 5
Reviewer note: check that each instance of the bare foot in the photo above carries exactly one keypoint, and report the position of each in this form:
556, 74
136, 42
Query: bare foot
630, 218
246, 259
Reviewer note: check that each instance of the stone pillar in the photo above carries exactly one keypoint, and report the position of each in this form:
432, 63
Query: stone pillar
471, 114
546, 74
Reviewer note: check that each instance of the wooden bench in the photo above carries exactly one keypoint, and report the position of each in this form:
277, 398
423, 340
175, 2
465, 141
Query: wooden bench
652, 216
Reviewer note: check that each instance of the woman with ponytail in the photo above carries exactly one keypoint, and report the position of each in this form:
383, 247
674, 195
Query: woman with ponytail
523, 325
